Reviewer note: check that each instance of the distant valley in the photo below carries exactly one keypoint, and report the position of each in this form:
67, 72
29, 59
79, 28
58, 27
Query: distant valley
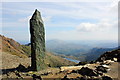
80, 50
83, 50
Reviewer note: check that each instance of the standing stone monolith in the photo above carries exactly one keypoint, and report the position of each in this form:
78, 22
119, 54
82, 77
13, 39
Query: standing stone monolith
37, 41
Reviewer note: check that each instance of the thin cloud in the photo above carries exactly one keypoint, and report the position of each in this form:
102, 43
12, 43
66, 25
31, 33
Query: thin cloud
87, 27
103, 25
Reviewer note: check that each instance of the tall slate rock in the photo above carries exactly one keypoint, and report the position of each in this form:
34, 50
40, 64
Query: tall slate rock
37, 41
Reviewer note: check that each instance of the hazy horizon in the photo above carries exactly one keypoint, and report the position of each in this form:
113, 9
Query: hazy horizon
90, 43
114, 41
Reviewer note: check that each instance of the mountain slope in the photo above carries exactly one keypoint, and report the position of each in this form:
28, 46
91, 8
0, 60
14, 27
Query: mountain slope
16, 54
11, 46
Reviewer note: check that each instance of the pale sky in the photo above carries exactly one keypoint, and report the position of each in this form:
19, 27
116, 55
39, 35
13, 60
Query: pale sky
62, 20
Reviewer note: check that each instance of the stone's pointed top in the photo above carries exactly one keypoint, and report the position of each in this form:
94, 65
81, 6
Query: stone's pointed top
37, 15
36, 11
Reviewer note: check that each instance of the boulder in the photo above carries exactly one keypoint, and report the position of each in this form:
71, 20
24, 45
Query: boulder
66, 68
102, 69
87, 71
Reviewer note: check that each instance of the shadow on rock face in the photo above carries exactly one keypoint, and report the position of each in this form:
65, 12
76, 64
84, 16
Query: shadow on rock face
20, 68
106, 78
35, 77
102, 69
87, 71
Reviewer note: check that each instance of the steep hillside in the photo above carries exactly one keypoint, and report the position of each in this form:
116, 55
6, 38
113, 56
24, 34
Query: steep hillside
17, 54
12, 47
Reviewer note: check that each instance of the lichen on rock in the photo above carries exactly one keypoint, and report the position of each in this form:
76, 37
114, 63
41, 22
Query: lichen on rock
37, 41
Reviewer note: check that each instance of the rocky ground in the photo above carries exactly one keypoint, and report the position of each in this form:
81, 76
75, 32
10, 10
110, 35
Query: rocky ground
106, 70
82, 73
11, 61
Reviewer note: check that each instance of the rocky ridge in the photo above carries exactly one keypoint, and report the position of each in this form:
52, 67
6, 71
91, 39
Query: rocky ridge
12, 47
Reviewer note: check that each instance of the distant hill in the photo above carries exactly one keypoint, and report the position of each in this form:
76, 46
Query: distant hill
65, 47
15, 49
94, 53
85, 51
